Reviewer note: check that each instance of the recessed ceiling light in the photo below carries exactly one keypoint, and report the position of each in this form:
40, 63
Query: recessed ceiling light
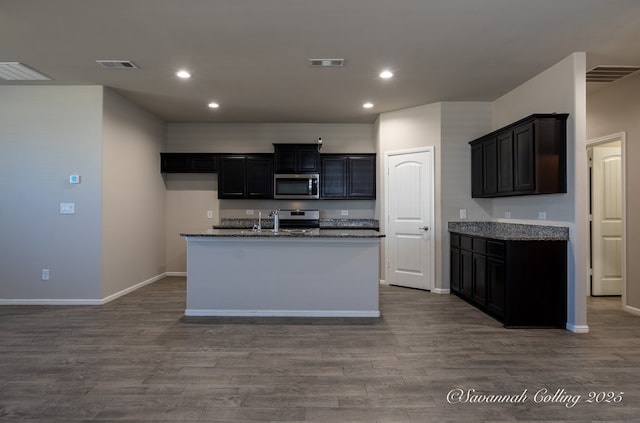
367, 105
386, 74
213, 105
183, 74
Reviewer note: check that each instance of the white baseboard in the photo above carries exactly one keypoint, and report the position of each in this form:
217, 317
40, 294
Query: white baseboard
280, 313
440, 291
631, 309
578, 328
45, 301
383, 282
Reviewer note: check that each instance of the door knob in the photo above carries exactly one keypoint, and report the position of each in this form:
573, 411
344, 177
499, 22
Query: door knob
424, 228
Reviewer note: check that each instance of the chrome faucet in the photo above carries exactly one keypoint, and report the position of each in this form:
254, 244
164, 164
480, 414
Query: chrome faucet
276, 220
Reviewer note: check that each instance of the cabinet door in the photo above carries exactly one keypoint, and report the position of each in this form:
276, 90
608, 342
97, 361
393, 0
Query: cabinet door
307, 159
523, 158
174, 162
285, 158
454, 283
362, 177
495, 286
480, 279
466, 273
334, 177
477, 178
259, 177
232, 177
203, 163
490, 161
505, 162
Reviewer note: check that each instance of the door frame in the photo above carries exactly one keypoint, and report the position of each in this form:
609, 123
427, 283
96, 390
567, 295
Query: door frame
622, 137
432, 222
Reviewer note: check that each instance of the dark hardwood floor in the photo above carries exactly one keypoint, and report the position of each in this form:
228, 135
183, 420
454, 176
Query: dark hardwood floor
138, 360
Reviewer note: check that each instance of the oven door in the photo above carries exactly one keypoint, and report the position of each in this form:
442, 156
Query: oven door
305, 186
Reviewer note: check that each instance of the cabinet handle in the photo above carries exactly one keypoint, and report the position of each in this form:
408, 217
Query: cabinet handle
424, 228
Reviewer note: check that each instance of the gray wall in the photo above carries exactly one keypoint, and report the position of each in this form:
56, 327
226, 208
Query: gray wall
47, 134
133, 196
612, 109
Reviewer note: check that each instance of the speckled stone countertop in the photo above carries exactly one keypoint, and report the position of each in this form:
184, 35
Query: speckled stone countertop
267, 223
286, 233
511, 231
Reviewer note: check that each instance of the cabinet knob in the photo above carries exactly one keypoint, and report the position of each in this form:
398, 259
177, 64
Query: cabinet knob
424, 228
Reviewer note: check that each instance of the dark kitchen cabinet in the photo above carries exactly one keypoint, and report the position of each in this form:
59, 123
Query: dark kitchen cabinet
188, 162
350, 176
522, 283
297, 158
528, 157
245, 176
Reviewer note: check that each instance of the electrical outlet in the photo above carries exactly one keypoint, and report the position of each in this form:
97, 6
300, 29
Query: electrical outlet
507, 215
463, 213
45, 274
542, 215
67, 208
209, 214
344, 212
249, 212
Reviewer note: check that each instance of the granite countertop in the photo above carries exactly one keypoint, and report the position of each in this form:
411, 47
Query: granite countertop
284, 233
267, 223
511, 231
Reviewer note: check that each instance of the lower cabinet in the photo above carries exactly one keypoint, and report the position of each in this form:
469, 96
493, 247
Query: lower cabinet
522, 283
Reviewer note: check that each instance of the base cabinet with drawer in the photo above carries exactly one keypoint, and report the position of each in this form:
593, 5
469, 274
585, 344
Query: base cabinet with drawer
522, 283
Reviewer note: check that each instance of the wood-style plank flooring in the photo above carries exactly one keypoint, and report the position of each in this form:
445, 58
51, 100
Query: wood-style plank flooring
138, 360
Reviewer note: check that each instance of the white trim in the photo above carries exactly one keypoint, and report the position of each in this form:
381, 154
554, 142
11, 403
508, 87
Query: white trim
62, 302
578, 328
631, 309
441, 291
622, 137
281, 313
178, 274
383, 282
132, 288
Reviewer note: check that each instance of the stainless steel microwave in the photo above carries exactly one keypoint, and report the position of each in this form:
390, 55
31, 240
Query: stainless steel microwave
296, 186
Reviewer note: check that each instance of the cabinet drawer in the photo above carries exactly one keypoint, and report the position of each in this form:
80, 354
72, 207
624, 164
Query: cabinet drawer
466, 242
479, 245
495, 248
455, 240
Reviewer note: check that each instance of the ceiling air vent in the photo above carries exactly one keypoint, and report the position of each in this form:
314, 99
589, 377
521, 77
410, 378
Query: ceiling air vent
326, 63
15, 71
610, 73
117, 64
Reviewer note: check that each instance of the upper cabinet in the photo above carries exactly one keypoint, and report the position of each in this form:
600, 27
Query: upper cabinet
245, 176
297, 158
527, 157
348, 176
188, 162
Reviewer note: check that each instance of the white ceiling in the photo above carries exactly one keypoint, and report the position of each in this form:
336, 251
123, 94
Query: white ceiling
251, 56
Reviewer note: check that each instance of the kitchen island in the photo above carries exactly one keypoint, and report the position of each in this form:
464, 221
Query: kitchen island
302, 273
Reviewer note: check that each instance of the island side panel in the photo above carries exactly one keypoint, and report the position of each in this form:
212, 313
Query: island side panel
282, 277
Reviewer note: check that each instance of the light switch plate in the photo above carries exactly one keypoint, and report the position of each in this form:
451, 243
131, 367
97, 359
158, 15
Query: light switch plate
209, 214
542, 215
344, 212
463, 213
507, 215
74, 179
67, 208
249, 212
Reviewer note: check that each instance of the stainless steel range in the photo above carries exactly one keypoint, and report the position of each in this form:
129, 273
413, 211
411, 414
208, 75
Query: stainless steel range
299, 221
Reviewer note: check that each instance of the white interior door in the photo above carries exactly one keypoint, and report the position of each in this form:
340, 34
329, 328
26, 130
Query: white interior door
607, 221
409, 230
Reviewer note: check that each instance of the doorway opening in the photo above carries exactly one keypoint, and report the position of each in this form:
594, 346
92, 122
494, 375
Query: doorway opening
607, 217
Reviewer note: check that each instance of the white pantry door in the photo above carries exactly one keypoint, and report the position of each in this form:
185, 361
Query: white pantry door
409, 229
607, 221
